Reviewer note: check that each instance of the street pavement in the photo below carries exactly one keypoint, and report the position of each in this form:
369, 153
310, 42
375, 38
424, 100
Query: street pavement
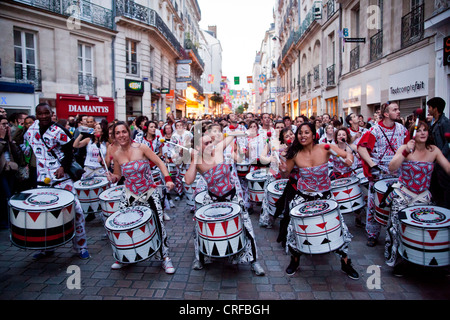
319, 277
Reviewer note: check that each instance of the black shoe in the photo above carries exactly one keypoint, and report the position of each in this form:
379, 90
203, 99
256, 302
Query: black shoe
250, 210
359, 223
399, 270
293, 266
348, 269
372, 242
90, 217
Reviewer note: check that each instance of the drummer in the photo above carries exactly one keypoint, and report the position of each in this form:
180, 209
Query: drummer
343, 141
223, 186
132, 160
53, 148
313, 184
416, 160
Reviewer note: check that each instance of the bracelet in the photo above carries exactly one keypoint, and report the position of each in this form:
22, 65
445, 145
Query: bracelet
168, 179
405, 153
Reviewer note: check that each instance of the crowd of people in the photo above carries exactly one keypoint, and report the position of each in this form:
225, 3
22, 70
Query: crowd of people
40, 150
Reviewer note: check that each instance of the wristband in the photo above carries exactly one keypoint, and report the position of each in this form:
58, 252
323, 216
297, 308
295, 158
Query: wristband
167, 179
405, 153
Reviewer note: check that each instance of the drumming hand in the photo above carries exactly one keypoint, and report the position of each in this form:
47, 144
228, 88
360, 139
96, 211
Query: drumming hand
375, 171
282, 166
111, 177
411, 145
170, 185
59, 173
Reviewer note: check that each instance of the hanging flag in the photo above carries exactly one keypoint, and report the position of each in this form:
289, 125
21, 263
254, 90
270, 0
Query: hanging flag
249, 79
262, 78
236, 80
211, 78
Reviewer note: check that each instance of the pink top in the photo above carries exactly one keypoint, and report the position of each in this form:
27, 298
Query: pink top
314, 179
218, 179
416, 175
138, 176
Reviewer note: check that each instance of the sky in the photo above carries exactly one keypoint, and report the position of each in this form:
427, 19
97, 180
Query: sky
241, 26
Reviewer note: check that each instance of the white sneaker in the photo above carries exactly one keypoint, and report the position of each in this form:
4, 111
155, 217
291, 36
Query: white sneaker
168, 266
172, 205
116, 265
166, 217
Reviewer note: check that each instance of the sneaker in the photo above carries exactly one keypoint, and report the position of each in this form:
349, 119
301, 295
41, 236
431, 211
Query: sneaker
116, 265
166, 217
172, 205
84, 254
197, 265
293, 266
168, 266
372, 242
43, 254
348, 269
177, 198
259, 271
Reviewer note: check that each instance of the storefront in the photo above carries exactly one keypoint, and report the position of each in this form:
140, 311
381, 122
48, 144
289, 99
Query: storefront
18, 97
75, 104
133, 100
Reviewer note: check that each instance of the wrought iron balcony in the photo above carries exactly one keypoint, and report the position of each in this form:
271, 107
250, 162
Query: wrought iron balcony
29, 75
87, 84
83, 10
196, 85
316, 76
413, 26
132, 10
376, 46
189, 45
354, 59
330, 76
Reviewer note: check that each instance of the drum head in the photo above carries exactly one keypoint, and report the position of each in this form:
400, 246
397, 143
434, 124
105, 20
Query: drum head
277, 187
113, 193
425, 216
344, 182
217, 211
258, 175
128, 218
381, 186
41, 199
313, 208
91, 183
200, 196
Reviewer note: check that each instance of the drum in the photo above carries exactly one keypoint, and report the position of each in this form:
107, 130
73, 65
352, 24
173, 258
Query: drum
382, 214
348, 194
242, 168
156, 175
172, 168
189, 190
199, 198
110, 200
88, 191
256, 181
133, 233
317, 225
363, 183
425, 235
219, 227
274, 192
42, 218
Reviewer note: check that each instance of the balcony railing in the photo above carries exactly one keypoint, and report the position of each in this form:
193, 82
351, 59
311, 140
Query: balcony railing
413, 26
376, 46
303, 84
132, 10
29, 75
317, 76
330, 76
87, 84
83, 10
354, 59
195, 84
189, 45
331, 8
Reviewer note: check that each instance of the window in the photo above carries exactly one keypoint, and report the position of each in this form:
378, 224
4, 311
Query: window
25, 59
131, 57
85, 57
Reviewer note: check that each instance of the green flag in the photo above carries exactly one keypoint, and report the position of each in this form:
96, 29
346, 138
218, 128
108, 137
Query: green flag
236, 80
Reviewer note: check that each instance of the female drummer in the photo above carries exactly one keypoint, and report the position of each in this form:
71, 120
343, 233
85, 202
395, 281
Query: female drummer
343, 140
313, 184
416, 160
223, 186
132, 161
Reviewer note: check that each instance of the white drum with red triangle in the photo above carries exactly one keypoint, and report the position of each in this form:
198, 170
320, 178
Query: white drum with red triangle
110, 200
220, 229
189, 190
317, 226
256, 180
425, 235
363, 182
243, 168
347, 192
133, 233
382, 214
88, 192
199, 198
42, 218
275, 190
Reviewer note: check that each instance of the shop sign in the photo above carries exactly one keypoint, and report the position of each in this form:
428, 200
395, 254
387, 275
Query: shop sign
134, 86
409, 84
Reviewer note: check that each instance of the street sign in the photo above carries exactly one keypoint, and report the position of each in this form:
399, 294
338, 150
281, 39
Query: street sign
363, 40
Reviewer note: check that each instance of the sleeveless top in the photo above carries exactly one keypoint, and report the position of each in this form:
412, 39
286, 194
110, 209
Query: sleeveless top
92, 154
416, 175
138, 176
218, 179
314, 178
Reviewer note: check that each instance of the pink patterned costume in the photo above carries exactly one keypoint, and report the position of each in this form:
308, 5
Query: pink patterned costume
313, 184
412, 189
223, 186
140, 192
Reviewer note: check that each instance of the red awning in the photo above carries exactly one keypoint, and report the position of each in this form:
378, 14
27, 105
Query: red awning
74, 104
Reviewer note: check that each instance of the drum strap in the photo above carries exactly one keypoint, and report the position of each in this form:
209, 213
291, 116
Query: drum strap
224, 198
414, 196
143, 197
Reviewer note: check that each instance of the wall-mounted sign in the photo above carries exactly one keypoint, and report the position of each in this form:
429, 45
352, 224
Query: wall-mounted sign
134, 86
409, 84
447, 51
350, 40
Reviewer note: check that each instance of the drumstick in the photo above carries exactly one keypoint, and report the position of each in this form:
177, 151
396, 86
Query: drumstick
447, 137
103, 158
356, 153
177, 145
235, 134
327, 147
418, 112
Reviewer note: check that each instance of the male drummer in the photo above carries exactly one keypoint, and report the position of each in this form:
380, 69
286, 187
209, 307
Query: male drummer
377, 147
53, 147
